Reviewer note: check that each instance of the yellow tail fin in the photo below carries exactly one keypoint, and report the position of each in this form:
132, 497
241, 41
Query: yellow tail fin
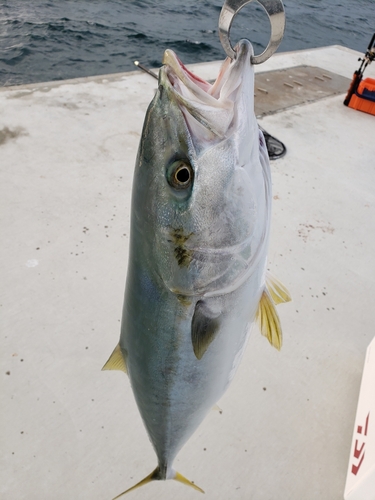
155, 476
152, 477
181, 479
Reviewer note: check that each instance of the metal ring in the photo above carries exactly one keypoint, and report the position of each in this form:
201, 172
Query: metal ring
276, 14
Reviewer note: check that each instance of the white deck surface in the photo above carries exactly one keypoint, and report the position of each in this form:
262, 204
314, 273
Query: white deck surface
71, 432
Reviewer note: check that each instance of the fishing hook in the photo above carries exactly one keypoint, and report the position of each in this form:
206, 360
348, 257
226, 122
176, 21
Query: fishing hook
276, 14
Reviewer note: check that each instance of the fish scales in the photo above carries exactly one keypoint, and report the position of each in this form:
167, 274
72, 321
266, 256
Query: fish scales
196, 280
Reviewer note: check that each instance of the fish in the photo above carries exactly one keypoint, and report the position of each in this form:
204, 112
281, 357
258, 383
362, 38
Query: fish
197, 272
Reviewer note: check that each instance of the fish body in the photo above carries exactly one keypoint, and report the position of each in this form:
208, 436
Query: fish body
200, 219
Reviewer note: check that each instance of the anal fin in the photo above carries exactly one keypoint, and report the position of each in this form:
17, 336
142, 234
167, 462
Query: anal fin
116, 361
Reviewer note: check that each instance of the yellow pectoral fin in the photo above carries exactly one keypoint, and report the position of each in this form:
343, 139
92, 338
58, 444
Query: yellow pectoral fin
269, 321
116, 361
277, 290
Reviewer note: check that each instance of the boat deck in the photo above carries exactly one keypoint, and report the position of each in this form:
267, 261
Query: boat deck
70, 431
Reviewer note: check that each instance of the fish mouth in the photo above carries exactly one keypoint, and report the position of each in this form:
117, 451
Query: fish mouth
179, 70
211, 105
213, 94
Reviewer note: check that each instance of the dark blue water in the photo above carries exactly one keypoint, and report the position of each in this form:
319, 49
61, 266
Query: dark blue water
51, 40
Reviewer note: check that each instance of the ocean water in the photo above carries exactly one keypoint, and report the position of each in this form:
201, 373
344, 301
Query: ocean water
52, 40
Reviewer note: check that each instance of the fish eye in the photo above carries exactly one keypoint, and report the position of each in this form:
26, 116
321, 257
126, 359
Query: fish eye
181, 174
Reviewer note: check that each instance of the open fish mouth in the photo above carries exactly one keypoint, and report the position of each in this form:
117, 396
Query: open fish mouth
212, 105
212, 94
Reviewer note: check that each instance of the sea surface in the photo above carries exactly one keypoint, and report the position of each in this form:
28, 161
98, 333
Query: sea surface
59, 39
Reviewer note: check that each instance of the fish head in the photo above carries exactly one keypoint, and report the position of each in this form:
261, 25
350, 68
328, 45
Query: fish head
201, 192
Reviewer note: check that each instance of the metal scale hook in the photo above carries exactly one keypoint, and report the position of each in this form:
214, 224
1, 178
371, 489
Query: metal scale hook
276, 14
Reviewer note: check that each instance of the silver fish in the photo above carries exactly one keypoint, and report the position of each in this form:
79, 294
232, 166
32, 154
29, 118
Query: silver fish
196, 281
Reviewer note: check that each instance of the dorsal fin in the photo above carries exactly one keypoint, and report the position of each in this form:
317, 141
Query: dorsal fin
268, 319
116, 361
277, 290
204, 326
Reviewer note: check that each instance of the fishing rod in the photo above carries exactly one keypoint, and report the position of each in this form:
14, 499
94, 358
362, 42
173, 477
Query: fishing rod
357, 77
143, 68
